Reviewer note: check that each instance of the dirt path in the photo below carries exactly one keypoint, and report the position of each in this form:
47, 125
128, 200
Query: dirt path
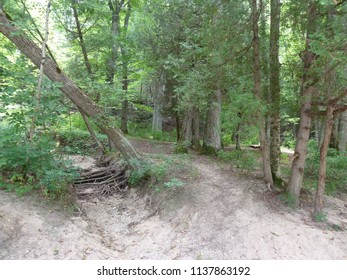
219, 215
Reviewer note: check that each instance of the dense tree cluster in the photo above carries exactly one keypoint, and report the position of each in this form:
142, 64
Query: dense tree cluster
216, 72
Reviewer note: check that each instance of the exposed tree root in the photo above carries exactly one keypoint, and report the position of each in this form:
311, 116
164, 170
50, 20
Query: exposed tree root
110, 178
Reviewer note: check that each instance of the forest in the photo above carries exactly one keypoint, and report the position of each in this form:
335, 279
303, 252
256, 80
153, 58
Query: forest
178, 103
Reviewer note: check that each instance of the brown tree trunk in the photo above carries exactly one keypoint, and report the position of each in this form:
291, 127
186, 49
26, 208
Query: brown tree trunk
125, 82
318, 202
196, 129
275, 147
68, 87
158, 99
90, 74
298, 163
186, 131
265, 147
343, 133
212, 141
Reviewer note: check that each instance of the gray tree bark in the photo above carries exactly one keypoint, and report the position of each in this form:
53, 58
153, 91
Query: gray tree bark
265, 147
212, 141
70, 89
298, 163
275, 125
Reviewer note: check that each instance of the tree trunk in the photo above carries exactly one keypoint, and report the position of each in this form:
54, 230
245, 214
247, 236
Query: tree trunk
275, 147
39, 84
307, 90
265, 148
237, 133
125, 82
212, 141
68, 87
187, 129
343, 133
196, 129
158, 99
318, 202
90, 74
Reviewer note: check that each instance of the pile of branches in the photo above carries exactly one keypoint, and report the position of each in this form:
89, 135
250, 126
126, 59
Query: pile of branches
107, 179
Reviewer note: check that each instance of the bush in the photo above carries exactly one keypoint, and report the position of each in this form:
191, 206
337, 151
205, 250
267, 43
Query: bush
243, 159
26, 166
78, 141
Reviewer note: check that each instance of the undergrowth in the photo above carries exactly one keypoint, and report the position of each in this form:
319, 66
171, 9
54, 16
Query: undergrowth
243, 159
27, 166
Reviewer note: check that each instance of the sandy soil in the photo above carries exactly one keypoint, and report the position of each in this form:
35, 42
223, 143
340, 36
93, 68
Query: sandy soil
220, 214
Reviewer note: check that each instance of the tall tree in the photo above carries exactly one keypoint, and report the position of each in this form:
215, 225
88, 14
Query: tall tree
264, 145
275, 130
69, 88
307, 90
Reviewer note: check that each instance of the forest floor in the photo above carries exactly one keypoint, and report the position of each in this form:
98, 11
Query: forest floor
219, 213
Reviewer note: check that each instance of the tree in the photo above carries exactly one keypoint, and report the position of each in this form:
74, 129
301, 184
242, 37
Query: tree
265, 148
68, 87
275, 127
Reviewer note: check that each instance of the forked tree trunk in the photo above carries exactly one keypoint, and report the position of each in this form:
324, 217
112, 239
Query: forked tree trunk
329, 121
212, 141
69, 88
307, 90
265, 147
275, 147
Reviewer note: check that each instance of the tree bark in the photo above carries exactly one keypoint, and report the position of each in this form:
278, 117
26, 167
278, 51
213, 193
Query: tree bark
212, 141
265, 148
319, 198
196, 129
307, 90
125, 81
343, 133
158, 99
39, 84
90, 74
69, 88
275, 147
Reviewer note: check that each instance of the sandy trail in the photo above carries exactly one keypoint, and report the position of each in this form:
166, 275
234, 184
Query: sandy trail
218, 215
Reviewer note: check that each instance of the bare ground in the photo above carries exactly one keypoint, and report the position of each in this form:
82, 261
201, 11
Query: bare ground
220, 214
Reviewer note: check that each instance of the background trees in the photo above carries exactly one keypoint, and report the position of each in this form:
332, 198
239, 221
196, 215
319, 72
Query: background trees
206, 74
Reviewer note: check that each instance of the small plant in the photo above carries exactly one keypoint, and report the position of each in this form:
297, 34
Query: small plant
182, 147
288, 199
320, 217
173, 183
245, 160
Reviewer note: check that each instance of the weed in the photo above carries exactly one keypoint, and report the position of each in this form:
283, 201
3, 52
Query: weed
288, 199
320, 217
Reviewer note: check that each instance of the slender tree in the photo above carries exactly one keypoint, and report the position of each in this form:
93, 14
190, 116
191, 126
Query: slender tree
69, 88
307, 90
275, 147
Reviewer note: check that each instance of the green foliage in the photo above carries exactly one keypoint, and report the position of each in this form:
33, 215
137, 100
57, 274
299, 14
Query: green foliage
173, 183
78, 141
243, 159
336, 177
320, 217
289, 199
27, 166
144, 130
182, 147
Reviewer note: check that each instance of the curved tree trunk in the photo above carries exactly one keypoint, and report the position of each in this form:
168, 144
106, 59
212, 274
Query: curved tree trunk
70, 89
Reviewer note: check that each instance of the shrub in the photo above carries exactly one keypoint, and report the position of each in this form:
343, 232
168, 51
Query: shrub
26, 166
243, 159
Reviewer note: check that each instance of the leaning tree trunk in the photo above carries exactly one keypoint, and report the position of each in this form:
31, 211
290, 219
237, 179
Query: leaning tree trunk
307, 90
265, 147
70, 89
212, 141
275, 147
